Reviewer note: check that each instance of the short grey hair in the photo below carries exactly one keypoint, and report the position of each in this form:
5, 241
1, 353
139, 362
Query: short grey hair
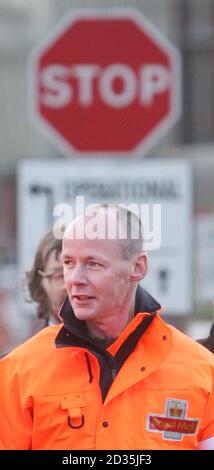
129, 229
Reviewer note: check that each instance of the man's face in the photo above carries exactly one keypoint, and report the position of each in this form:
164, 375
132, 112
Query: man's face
97, 279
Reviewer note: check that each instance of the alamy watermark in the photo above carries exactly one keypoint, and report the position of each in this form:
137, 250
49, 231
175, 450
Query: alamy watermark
144, 222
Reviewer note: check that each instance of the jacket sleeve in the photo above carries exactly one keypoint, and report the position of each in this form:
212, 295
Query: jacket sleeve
16, 408
207, 423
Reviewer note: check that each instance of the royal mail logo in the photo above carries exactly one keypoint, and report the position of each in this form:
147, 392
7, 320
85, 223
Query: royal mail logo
174, 424
176, 411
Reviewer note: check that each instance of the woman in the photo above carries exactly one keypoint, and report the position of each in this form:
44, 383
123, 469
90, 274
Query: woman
45, 280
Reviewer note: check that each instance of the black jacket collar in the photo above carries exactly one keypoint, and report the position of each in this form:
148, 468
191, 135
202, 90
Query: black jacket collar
144, 302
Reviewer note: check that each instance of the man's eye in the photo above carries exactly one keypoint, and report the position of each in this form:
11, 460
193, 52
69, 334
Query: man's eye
69, 263
94, 264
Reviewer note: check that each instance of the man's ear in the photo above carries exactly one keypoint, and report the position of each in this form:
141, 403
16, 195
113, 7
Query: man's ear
139, 267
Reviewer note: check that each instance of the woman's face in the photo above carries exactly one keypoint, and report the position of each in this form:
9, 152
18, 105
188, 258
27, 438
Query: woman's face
53, 282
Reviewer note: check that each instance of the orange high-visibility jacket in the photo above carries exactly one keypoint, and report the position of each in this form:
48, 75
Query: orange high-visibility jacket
161, 398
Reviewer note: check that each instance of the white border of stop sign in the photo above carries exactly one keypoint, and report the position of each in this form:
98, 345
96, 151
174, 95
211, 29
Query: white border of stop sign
152, 79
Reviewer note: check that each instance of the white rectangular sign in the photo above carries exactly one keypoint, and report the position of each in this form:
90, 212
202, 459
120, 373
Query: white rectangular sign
157, 184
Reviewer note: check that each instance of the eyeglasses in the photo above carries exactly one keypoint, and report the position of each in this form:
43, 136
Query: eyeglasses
54, 274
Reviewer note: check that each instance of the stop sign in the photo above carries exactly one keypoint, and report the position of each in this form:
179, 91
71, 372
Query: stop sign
105, 82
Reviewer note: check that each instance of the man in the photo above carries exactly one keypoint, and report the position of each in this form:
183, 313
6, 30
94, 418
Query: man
114, 376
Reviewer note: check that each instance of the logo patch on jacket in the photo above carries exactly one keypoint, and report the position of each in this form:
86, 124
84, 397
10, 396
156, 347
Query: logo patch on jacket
174, 424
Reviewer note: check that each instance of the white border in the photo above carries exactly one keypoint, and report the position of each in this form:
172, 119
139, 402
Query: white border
143, 24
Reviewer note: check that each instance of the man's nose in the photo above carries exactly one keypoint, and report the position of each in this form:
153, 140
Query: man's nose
78, 276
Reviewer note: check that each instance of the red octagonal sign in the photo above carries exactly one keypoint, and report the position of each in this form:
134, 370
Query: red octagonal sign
106, 82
